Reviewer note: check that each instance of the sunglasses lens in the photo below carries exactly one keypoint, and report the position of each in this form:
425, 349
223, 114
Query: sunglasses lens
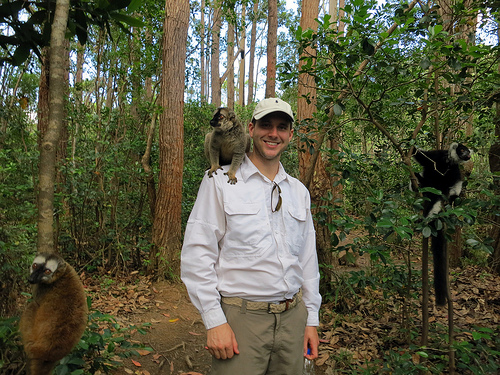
278, 205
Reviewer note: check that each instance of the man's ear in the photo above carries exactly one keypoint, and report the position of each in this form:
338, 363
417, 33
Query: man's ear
291, 134
251, 127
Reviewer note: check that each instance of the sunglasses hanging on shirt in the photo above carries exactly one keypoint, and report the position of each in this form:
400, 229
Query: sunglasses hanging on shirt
276, 187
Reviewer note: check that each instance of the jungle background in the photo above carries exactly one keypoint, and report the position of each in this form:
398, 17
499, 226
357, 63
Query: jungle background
103, 111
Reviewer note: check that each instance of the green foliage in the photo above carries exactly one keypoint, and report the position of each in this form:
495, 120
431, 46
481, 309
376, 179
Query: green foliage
33, 33
479, 355
102, 342
11, 358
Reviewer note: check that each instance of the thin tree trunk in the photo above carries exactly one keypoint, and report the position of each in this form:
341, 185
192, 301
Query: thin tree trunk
272, 42
47, 168
215, 57
253, 40
230, 66
494, 160
166, 237
203, 76
241, 74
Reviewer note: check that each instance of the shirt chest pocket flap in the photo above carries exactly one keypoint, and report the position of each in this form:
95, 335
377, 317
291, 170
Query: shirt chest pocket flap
247, 230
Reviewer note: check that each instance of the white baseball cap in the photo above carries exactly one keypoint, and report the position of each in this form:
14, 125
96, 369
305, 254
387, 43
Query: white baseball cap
271, 105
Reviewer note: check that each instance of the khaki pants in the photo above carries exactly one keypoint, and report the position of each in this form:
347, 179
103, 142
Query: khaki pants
269, 344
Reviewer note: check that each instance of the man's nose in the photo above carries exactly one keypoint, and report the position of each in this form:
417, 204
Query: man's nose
273, 131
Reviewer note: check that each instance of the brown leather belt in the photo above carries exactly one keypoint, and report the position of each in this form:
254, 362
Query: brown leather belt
271, 308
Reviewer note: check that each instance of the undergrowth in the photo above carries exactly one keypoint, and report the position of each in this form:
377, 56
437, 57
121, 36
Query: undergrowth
100, 349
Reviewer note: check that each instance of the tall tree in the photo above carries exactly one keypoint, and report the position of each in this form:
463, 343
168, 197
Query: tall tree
230, 53
241, 74
203, 73
49, 143
494, 160
215, 56
167, 234
272, 43
306, 107
253, 40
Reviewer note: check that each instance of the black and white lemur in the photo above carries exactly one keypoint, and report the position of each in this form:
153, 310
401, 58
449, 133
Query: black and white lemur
442, 172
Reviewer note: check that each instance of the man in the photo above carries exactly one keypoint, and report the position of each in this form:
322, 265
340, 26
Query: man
249, 258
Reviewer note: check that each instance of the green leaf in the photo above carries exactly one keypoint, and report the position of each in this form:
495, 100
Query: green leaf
21, 54
426, 232
337, 109
425, 63
134, 5
131, 21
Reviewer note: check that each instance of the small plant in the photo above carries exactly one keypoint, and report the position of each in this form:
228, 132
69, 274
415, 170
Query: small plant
481, 355
103, 340
11, 358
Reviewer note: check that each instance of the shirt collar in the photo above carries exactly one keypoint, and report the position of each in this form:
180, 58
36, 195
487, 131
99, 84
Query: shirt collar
248, 169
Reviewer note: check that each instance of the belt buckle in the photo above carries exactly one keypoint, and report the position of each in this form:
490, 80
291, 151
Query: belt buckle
274, 308
280, 307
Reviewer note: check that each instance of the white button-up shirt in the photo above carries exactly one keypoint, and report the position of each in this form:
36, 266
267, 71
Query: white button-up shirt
235, 246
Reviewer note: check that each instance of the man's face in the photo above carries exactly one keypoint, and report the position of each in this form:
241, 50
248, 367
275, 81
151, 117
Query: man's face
271, 135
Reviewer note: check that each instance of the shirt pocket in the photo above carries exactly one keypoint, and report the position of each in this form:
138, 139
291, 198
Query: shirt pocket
247, 230
295, 224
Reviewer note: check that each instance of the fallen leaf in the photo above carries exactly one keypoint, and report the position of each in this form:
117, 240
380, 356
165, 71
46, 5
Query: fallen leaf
143, 352
173, 320
138, 364
195, 334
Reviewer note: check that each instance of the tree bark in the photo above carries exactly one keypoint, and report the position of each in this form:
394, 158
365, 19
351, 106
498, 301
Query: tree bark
166, 237
241, 74
214, 62
230, 64
306, 106
47, 168
494, 160
272, 42
253, 40
203, 75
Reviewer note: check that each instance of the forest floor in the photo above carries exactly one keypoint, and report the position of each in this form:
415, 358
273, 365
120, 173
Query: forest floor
362, 336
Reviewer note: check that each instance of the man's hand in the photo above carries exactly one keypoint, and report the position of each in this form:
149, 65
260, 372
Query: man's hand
311, 340
221, 342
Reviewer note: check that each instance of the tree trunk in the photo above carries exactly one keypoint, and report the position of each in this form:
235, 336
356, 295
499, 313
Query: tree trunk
253, 40
494, 159
230, 66
306, 106
272, 42
214, 62
203, 75
241, 74
166, 237
462, 30
47, 168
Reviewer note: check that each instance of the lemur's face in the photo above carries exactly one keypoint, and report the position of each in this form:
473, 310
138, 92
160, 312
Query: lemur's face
45, 269
463, 152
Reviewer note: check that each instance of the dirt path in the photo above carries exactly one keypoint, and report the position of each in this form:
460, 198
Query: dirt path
177, 335
370, 328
